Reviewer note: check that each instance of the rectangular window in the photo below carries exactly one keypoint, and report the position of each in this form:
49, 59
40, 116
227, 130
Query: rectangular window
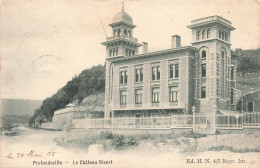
153, 73
171, 71
123, 77
174, 71
139, 75
156, 73
203, 92
203, 70
155, 95
173, 95
138, 96
123, 95
250, 106
232, 73
232, 96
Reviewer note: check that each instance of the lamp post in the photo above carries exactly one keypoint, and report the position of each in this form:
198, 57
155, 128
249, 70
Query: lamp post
193, 112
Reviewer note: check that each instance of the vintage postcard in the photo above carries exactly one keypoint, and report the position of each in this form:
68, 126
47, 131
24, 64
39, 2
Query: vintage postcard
130, 84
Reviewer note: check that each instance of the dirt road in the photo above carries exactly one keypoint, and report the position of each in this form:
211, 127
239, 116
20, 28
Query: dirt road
37, 148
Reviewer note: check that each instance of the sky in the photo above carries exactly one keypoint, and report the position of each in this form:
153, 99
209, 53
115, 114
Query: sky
44, 43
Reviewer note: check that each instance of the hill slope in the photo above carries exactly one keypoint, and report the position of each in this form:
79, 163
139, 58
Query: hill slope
89, 81
19, 106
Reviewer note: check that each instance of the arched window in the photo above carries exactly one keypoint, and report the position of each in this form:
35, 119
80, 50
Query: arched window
133, 52
125, 32
113, 52
110, 52
203, 54
222, 54
126, 52
116, 51
223, 35
219, 34
118, 32
209, 34
114, 32
204, 34
129, 33
226, 36
198, 35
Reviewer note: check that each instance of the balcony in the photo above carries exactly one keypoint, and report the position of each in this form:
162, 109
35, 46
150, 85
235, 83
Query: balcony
122, 37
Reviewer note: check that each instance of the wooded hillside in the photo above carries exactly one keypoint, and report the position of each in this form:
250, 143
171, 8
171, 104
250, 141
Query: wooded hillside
89, 81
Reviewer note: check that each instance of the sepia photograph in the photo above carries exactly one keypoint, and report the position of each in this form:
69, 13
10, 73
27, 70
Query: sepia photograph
130, 84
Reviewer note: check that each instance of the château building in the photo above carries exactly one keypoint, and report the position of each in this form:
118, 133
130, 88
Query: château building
171, 81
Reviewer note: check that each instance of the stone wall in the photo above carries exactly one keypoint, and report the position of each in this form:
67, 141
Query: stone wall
64, 121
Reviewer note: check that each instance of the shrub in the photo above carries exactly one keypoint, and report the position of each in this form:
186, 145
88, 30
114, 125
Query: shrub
121, 142
106, 135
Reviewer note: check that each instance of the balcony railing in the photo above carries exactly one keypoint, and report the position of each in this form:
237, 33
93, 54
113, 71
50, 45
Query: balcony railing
122, 37
210, 18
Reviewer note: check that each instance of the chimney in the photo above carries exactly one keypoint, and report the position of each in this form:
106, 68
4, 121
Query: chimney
145, 47
176, 41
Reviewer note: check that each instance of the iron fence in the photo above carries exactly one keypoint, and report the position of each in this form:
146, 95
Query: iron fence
197, 121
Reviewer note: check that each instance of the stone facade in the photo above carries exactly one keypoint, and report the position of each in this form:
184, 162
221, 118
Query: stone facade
197, 75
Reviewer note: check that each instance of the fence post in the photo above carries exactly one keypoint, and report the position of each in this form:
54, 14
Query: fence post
214, 120
85, 121
89, 124
193, 123
228, 119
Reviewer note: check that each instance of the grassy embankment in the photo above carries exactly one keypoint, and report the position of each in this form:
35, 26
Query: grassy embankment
187, 143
